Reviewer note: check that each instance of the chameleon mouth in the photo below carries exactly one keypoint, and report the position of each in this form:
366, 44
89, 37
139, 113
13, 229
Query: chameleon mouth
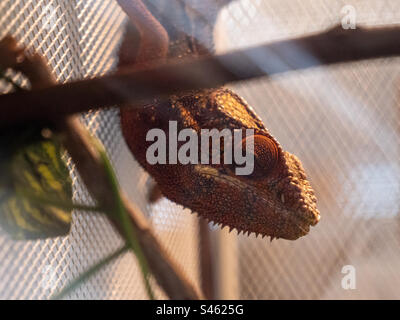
292, 223
305, 193
302, 225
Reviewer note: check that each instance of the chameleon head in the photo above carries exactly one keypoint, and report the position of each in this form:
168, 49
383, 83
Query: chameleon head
275, 200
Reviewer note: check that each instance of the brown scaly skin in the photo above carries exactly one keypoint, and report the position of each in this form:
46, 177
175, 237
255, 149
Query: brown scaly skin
276, 200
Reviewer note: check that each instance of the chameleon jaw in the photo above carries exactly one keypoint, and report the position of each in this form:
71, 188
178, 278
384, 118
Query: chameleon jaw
269, 215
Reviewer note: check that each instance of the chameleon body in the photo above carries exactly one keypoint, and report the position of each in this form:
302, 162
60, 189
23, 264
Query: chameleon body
276, 200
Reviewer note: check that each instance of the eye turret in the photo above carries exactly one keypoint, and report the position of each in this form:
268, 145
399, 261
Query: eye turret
266, 155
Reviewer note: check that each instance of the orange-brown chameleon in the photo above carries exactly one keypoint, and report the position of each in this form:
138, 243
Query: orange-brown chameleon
276, 200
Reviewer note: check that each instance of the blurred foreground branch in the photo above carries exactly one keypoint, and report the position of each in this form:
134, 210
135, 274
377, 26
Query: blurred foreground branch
127, 86
88, 161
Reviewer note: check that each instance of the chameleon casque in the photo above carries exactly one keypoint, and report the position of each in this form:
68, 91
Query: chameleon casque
276, 200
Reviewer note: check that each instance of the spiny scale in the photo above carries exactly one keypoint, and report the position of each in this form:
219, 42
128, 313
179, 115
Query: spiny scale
222, 226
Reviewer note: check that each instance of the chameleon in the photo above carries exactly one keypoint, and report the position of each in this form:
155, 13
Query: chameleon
276, 200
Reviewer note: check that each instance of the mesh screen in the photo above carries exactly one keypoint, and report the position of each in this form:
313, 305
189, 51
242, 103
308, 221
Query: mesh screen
343, 122
80, 39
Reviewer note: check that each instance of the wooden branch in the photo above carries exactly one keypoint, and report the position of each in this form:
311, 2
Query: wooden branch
87, 161
79, 145
126, 86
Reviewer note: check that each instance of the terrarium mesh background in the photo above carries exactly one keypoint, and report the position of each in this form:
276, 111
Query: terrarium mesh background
342, 121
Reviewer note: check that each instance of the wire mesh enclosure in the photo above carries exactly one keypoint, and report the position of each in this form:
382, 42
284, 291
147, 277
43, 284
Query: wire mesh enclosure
342, 121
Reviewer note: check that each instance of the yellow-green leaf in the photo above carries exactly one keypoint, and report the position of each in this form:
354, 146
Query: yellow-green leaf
32, 165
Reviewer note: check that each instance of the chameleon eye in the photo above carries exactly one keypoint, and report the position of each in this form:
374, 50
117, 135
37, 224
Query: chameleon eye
266, 155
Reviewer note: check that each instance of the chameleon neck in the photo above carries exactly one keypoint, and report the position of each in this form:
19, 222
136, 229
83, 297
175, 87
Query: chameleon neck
189, 24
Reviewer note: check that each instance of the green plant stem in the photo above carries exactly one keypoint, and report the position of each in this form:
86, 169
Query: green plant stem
119, 213
88, 273
65, 205
125, 222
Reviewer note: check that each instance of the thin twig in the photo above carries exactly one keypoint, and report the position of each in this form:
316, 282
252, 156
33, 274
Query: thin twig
126, 86
54, 202
88, 163
88, 273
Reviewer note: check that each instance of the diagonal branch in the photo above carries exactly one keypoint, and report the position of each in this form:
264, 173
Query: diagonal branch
126, 86
88, 162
